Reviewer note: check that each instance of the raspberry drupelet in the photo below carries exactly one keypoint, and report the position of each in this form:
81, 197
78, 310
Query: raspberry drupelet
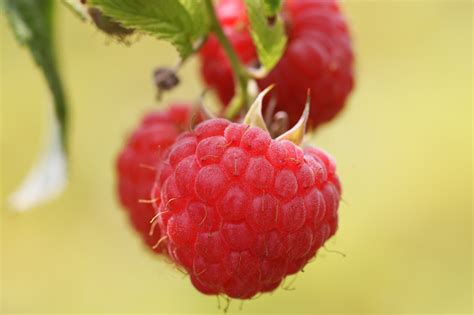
241, 211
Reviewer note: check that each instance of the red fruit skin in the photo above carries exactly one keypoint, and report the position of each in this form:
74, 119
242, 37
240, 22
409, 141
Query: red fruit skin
242, 211
318, 57
137, 162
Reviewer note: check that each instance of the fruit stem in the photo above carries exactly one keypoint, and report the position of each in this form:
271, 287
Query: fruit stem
240, 98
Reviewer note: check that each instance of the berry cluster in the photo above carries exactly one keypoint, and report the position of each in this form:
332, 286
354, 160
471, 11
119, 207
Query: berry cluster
224, 201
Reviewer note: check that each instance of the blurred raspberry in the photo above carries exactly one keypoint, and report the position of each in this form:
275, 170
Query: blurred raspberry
318, 57
137, 163
241, 211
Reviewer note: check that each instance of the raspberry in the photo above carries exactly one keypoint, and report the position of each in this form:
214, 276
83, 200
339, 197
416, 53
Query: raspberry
242, 211
318, 57
139, 157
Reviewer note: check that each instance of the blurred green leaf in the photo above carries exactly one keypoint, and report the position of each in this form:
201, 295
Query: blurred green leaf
199, 16
164, 19
32, 23
271, 7
270, 40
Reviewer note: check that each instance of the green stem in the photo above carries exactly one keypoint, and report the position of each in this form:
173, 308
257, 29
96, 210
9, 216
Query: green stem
240, 74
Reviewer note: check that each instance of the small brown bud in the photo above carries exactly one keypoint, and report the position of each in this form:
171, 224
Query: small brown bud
165, 78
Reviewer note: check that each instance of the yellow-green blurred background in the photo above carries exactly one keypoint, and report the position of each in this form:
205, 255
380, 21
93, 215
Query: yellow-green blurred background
404, 152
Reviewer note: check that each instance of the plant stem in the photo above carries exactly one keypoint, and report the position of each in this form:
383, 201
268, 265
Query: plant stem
240, 98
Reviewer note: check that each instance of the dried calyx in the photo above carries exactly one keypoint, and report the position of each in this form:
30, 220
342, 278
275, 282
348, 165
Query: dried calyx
279, 124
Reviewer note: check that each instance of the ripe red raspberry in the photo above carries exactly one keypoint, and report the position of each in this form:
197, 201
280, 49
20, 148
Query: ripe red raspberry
138, 160
242, 211
318, 57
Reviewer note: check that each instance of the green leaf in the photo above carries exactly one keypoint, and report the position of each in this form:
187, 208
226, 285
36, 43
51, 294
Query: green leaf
32, 23
271, 7
199, 16
270, 40
165, 19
